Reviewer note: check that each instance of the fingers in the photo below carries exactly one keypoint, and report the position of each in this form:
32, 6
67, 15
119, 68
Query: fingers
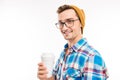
41, 66
41, 77
42, 71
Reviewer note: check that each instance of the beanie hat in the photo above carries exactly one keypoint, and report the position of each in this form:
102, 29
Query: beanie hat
81, 15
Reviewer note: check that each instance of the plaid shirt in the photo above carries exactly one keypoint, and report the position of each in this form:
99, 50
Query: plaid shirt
82, 63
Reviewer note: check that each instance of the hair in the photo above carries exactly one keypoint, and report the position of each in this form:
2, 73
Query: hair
66, 7
63, 8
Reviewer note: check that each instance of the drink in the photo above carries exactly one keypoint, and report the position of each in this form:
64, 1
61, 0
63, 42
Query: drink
48, 60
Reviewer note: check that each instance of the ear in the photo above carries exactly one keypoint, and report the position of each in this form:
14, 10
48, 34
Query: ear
81, 29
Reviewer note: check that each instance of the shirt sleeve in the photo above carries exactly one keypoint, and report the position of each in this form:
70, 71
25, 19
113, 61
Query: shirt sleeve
56, 68
95, 69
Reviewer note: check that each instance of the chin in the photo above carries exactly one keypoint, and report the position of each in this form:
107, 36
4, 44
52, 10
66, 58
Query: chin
67, 38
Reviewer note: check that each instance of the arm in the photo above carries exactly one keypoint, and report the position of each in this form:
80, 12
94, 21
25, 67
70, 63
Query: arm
95, 69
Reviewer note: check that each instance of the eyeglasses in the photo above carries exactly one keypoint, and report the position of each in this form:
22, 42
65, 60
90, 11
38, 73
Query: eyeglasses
67, 23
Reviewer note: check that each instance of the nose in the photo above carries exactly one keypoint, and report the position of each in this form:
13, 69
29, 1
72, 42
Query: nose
64, 26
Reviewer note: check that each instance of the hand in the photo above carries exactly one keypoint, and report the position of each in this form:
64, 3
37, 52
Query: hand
42, 72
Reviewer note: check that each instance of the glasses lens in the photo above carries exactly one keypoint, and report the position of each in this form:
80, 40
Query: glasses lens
57, 25
69, 23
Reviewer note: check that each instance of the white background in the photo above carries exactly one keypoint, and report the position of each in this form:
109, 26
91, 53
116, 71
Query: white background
27, 29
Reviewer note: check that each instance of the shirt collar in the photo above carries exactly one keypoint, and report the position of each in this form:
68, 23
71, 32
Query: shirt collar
77, 46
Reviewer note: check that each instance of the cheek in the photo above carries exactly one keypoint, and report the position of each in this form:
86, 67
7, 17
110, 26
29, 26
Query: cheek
77, 30
60, 30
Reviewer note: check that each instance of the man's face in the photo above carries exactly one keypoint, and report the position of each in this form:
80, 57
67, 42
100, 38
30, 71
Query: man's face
69, 17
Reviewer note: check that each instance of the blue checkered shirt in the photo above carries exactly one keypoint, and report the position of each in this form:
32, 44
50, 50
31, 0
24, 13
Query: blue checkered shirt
82, 63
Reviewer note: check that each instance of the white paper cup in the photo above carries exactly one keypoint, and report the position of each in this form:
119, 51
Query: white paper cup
48, 60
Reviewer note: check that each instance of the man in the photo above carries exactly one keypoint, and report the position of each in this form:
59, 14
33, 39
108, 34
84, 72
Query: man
78, 60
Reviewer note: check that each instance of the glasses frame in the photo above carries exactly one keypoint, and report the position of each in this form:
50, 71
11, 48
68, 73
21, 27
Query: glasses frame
60, 25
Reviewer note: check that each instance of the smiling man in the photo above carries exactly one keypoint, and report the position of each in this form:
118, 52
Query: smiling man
78, 60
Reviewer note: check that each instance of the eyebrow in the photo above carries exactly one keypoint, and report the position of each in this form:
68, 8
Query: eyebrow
66, 19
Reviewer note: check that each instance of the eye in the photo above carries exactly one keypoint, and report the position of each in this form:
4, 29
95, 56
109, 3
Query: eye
69, 21
61, 23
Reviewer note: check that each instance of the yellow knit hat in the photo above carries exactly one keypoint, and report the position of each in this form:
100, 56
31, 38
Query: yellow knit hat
81, 15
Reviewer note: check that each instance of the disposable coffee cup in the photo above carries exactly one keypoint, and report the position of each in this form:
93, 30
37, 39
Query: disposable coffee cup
48, 60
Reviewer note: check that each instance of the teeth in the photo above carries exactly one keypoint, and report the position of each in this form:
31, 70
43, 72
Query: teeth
66, 32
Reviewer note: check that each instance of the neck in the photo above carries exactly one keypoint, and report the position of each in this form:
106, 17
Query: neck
73, 41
